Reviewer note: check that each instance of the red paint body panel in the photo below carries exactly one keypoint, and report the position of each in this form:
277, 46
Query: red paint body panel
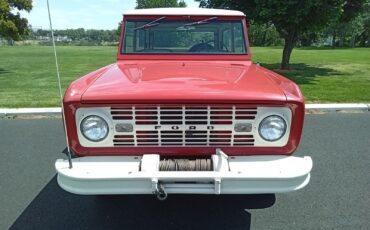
181, 80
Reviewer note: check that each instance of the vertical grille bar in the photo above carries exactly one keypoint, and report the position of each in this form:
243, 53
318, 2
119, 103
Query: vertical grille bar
134, 117
208, 123
233, 131
159, 133
183, 122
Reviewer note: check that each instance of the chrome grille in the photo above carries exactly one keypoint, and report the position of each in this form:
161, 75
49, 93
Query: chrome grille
183, 125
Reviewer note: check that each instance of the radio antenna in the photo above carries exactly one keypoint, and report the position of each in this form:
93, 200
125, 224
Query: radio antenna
60, 87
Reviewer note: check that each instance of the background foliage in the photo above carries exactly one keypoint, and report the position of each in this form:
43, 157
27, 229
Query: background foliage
76, 37
12, 25
141, 4
293, 19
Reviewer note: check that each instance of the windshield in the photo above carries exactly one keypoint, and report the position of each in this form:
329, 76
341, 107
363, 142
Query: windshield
161, 36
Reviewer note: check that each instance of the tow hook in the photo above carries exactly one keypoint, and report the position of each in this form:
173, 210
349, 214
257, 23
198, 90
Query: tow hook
159, 190
161, 193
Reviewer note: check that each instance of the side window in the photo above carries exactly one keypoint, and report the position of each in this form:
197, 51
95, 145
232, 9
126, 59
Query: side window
233, 38
239, 38
134, 40
226, 40
140, 40
128, 46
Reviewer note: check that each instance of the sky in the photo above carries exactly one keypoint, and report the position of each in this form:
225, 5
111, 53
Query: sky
88, 14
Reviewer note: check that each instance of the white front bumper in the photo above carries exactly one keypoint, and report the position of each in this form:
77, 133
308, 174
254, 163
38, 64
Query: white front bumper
140, 175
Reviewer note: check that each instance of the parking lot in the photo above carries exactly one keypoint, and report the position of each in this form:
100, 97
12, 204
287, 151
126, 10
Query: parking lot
336, 198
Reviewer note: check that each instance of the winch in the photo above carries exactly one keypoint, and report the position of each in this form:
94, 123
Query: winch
186, 164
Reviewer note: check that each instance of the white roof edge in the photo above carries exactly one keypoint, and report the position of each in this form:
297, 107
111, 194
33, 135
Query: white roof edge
185, 11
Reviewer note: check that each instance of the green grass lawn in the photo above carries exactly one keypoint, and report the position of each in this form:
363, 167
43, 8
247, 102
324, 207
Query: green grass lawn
28, 79
28, 76
324, 75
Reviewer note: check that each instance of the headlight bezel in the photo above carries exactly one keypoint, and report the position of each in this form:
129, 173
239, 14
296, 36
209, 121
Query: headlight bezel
88, 138
269, 117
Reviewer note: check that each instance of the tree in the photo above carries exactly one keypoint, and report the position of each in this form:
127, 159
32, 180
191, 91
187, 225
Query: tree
365, 36
12, 25
351, 26
292, 19
263, 34
141, 4
346, 32
118, 30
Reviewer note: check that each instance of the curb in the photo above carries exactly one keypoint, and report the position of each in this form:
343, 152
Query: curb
337, 107
309, 108
30, 111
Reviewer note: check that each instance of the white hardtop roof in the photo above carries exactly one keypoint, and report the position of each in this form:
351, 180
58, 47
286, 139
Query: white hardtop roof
184, 11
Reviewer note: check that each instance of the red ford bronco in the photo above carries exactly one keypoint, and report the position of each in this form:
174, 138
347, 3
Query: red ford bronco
183, 110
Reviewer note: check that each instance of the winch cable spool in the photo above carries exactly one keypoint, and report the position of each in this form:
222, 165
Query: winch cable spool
60, 86
186, 164
181, 164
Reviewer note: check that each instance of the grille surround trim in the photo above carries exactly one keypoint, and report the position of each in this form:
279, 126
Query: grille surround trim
204, 129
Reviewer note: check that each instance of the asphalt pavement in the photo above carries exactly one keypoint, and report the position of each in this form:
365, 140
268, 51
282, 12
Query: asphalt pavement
337, 197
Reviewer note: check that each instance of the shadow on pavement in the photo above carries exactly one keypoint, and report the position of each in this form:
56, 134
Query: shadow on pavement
54, 208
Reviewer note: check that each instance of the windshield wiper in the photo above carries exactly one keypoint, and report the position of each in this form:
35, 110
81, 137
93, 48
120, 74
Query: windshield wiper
150, 24
201, 22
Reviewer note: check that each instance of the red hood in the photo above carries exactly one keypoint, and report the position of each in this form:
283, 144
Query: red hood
186, 81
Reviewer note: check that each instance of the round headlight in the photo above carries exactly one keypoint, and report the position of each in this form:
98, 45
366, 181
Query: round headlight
94, 128
272, 128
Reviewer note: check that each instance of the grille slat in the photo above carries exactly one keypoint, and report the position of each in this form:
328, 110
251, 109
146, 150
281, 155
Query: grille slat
183, 126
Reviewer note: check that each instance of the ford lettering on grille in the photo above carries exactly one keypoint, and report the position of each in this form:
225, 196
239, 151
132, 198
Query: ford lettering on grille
176, 127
